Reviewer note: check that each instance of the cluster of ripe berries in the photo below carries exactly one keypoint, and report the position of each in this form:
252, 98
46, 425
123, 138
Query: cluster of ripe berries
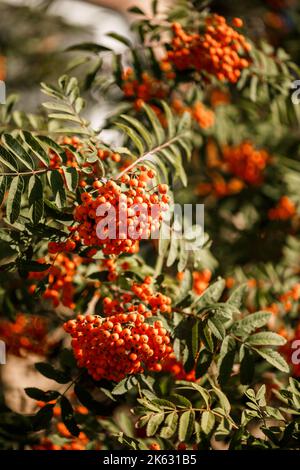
69, 442
201, 280
27, 334
219, 187
246, 162
142, 298
284, 210
199, 112
130, 211
111, 348
144, 89
216, 51
60, 279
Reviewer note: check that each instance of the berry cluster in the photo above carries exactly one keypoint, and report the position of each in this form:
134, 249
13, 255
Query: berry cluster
143, 90
219, 97
201, 280
246, 162
117, 346
131, 211
60, 278
284, 210
199, 112
217, 51
219, 187
26, 334
142, 298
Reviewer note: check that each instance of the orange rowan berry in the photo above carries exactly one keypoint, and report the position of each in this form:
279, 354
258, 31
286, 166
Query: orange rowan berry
154, 446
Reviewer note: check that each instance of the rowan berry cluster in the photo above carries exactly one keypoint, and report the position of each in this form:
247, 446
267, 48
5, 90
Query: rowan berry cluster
219, 187
284, 210
69, 442
144, 89
121, 214
28, 333
60, 279
117, 346
142, 298
219, 97
246, 162
217, 51
199, 112
201, 280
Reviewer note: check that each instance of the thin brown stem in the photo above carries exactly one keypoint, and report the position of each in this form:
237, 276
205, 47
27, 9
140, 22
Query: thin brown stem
25, 173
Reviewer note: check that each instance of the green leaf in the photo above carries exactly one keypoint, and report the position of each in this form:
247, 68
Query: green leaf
40, 395
224, 402
16, 148
204, 360
35, 147
180, 401
237, 295
57, 106
266, 338
88, 47
140, 128
207, 422
226, 359
65, 117
155, 123
2, 188
154, 423
120, 38
136, 10
42, 418
35, 199
13, 202
170, 425
217, 327
211, 295
170, 120
47, 370
251, 322
89, 402
186, 425
133, 136
206, 337
71, 177
247, 366
67, 415
124, 386
273, 358
57, 185
8, 160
